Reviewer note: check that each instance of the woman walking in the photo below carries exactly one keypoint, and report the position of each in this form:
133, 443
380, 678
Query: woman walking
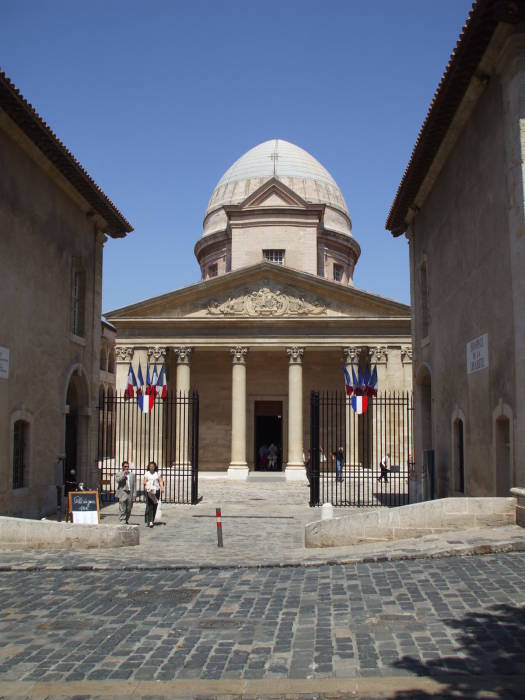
153, 488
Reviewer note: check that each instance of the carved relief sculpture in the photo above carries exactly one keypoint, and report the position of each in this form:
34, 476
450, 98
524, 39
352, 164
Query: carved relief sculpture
265, 302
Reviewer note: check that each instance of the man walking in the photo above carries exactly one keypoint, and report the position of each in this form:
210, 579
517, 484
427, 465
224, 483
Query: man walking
385, 468
125, 492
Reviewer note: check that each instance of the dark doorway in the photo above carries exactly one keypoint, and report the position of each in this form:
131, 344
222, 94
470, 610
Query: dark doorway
268, 436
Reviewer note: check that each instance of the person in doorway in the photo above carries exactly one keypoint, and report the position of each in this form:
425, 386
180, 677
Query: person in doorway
263, 456
339, 461
273, 453
125, 492
153, 489
385, 468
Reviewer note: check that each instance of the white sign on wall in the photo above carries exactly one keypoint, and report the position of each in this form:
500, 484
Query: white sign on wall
478, 354
4, 363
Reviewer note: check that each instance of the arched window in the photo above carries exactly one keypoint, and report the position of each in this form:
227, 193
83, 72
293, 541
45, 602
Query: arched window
78, 302
20, 453
425, 310
111, 361
503, 459
459, 456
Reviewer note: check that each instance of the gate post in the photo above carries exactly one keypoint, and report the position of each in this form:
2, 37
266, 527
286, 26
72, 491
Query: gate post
314, 448
195, 449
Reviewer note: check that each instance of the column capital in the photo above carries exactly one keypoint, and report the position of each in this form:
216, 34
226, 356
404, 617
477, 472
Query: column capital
352, 353
183, 353
295, 355
157, 353
379, 354
406, 354
238, 353
124, 353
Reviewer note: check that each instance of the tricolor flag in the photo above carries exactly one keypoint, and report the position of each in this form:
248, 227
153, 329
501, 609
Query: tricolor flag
372, 384
154, 381
132, 384
359, 403
348, 382
147, 399
140, 381
162, 384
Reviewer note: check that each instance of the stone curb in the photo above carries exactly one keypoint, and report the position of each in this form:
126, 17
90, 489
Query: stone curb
479, 549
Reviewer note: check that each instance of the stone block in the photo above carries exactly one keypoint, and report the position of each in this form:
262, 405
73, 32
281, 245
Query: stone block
46, 534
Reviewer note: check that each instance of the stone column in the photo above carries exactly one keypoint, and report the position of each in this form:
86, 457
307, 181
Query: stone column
238, 468
295, 469
123, 356
183, 355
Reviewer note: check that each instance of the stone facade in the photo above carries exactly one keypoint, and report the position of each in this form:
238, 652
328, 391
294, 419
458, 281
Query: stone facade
466, 230
51, 245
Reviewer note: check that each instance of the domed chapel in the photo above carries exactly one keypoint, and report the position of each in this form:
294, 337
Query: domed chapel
274, 316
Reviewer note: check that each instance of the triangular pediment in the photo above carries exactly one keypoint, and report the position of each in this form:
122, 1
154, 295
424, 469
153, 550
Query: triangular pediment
272, 194
263, 291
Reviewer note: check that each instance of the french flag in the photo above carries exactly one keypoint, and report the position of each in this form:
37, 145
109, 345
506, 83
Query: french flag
154, 381
132, 384
146, 400
359, 404
348, 382
162, 384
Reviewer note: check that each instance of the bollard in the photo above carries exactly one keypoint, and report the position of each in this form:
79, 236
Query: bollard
219, 527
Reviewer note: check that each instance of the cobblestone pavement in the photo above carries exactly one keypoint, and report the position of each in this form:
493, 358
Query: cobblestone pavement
263, 525
429, 628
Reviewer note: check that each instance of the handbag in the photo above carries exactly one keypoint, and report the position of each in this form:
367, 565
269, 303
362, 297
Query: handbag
158, 514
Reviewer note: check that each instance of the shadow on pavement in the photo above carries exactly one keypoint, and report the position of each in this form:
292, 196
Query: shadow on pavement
492, 660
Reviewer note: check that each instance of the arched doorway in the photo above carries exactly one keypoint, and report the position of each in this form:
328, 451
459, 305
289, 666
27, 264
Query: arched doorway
424, 443
76, 428
503, 456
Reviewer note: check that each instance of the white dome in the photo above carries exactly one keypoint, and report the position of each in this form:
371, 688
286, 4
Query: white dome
296, 168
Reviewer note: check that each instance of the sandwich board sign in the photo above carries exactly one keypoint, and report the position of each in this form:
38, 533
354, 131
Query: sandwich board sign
84, 507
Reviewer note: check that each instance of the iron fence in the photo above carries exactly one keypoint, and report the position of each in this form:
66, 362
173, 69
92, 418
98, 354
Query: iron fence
346, 450
167, 435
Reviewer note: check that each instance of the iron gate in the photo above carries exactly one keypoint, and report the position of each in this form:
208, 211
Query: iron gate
354, 477
168, 435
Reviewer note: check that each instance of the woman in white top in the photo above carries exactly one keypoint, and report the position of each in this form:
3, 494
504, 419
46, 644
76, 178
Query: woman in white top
153, 488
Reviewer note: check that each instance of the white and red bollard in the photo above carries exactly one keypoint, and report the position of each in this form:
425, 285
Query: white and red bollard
218, 516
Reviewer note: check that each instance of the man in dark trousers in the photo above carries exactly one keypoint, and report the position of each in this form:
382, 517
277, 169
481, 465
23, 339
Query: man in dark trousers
125, 492
385, 468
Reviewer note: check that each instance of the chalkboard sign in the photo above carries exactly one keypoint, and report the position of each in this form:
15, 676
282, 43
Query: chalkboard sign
84, 506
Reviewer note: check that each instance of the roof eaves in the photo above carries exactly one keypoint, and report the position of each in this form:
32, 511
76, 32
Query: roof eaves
475, 36
24, 115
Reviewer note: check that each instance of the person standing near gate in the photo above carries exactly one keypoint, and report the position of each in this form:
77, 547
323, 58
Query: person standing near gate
385, 468
125, 492
153, 488
339, 461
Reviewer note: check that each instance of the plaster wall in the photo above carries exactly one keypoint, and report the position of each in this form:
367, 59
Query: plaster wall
43, 234
461, 233
299, 242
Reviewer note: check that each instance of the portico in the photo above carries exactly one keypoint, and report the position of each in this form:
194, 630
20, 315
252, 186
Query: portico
274, 317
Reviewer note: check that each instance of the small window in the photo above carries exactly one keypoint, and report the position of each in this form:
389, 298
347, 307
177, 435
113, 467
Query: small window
20, 430
212, 270
274, 256
338, 273
425, 311
79, 302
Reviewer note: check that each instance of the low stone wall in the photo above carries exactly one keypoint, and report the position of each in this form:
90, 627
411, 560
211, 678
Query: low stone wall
519, 494
415, 520
47, 534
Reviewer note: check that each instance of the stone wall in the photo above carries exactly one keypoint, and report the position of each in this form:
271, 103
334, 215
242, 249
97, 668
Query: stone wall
461, 235
44, 234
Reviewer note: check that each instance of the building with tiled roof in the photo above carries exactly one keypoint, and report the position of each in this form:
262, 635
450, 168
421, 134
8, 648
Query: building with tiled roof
54, 220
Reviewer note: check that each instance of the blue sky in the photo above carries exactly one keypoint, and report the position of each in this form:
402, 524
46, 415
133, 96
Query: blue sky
157, 99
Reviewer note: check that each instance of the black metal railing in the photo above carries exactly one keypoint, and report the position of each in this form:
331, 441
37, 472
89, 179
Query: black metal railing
347, 449
167, 435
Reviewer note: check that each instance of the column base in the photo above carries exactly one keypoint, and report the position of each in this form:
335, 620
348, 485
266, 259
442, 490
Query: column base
295, 471
238, 471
